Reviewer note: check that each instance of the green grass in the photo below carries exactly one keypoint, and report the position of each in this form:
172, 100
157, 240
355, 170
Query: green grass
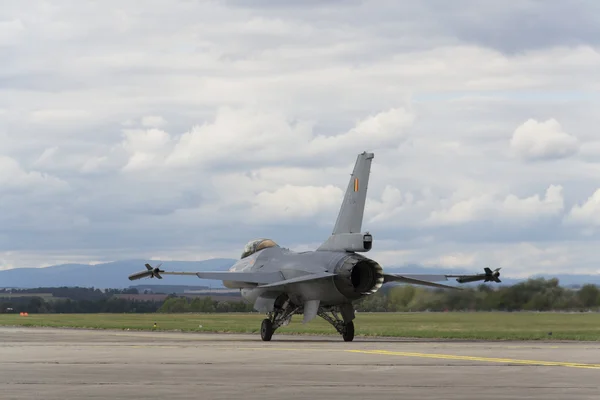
475, 325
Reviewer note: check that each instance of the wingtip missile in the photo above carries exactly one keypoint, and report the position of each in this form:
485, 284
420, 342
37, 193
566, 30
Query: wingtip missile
487, 276
495, 275
150, 272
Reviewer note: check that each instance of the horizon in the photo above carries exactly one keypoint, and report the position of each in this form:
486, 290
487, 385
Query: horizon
408, 267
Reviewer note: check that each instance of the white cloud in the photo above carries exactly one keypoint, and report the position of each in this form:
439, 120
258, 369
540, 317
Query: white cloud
511, 209
248, 135
14, 178
145, 147
587, 213
384, 130
46, 156
293, 202
94, 164
590, 149
169, 126
153, 121
525, 259
243, 135
518, 260
535, 140
395, 207
461, 260
50, 116
69, 159
11, 32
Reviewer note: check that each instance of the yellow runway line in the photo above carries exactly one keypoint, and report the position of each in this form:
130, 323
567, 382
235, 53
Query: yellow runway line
428, 355
483, 359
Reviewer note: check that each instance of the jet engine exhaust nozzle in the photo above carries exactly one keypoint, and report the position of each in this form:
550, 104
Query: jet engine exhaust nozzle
358, 276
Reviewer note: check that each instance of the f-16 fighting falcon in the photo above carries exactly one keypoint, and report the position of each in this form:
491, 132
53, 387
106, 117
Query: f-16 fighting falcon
324, 282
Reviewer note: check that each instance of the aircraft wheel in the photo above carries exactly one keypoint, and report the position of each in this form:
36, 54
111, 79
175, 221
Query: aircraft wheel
266, 330
348, 334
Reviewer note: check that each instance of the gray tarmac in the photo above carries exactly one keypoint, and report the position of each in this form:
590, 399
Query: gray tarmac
40, 363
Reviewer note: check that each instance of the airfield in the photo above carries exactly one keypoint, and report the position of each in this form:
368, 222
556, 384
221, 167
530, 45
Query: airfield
55, 363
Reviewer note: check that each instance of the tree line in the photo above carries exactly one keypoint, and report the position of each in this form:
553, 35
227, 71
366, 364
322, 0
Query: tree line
39, 305
78, 300
70, 292
531, 295
204, 305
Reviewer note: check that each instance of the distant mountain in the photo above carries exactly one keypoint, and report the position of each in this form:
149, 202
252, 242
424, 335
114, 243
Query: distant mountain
110, 275
114, 274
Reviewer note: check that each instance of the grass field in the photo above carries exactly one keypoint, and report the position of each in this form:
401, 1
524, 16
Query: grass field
499, 326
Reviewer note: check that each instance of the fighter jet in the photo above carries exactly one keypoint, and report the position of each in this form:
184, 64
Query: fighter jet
325, 282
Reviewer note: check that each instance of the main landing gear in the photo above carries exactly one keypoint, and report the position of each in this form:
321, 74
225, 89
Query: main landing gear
266, 330
331, 315
283, 315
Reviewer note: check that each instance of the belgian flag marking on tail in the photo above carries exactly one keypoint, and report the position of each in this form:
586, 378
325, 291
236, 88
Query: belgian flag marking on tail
356, 184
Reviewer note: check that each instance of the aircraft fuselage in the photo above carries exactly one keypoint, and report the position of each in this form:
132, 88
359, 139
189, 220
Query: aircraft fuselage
358, 276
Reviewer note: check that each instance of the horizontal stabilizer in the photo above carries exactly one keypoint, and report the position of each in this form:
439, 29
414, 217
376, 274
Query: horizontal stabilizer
406, 279
304, 278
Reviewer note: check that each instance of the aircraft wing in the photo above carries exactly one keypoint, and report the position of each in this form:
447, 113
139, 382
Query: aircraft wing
248, 277
427, 280
262, 279
423, 277
410, 279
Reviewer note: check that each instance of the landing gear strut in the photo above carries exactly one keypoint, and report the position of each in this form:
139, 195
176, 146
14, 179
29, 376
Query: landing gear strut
281, 316
348, 333
344, 326
285, 309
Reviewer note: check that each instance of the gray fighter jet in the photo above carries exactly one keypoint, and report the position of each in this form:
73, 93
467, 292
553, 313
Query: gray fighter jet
323, 282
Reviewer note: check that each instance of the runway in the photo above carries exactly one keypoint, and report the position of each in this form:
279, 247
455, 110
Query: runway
49, 364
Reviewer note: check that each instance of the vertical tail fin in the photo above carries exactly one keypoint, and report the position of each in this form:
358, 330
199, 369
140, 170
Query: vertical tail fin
350, 218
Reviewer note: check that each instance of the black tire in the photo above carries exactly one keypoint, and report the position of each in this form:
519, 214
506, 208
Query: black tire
348, 333
266, 330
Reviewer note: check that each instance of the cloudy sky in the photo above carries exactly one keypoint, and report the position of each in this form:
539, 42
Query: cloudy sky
182, 129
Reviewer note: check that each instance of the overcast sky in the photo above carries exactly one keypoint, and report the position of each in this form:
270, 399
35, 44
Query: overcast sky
183, 129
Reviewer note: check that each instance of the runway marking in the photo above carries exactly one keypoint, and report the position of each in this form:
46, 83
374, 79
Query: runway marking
484, 359
436, 356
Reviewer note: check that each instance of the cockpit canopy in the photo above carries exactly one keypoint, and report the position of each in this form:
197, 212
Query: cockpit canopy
255, 245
